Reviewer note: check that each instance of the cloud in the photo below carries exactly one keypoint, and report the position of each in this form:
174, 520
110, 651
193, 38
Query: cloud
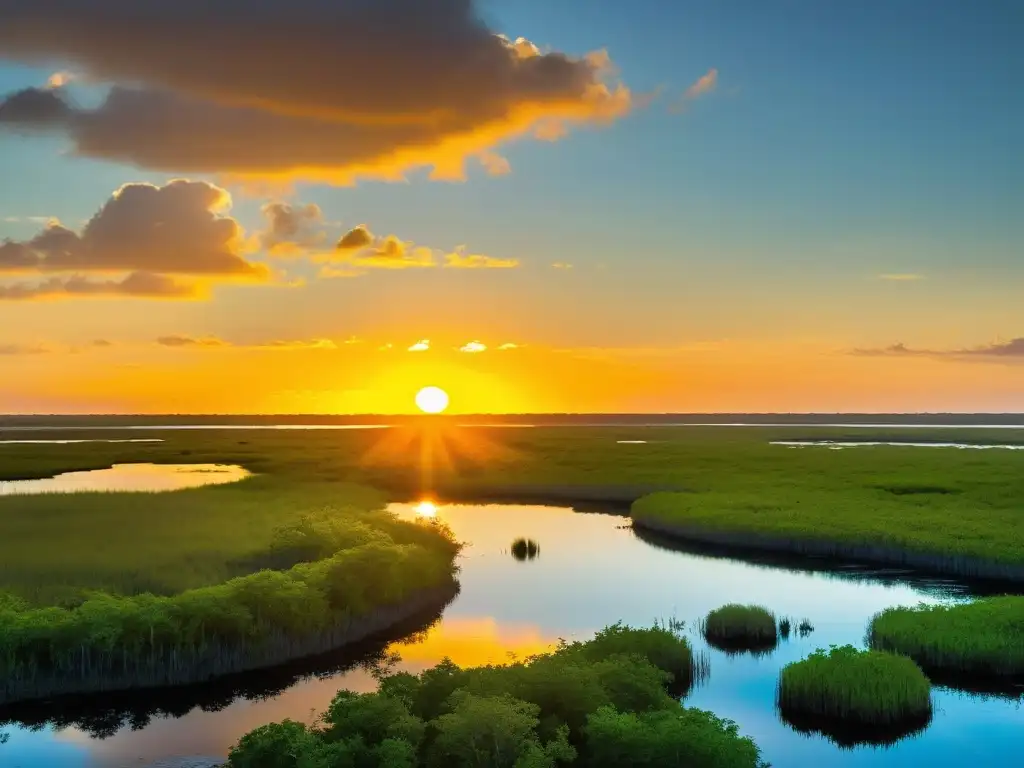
102, 343
420, 346
459, 259
356, 239
561, 265
23, 349
291, 230
494, 164
138, 285
509, 346
473, 347
299, 344
998, 351
901, 277
704, 85
179, 228
188, 341
328, 90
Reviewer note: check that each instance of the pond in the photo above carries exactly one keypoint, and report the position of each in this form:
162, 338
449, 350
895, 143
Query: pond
589, 570
129, 477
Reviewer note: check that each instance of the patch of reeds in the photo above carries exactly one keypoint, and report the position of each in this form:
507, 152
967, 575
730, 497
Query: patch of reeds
983, 639
735, 628
525, 549
854, 696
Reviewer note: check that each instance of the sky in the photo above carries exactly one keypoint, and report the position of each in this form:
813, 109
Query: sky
322, 206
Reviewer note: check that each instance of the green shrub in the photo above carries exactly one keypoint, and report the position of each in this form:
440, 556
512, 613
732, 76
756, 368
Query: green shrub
850, 688
984, 638
740, 628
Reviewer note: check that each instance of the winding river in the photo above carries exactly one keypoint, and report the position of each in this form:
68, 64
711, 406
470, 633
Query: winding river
591, 570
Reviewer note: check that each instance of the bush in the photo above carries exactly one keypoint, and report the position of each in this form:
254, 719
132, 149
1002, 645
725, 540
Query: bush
982, 639
844, 689
736, 628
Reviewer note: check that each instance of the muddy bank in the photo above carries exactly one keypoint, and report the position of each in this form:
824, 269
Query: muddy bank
953, 565
175, 668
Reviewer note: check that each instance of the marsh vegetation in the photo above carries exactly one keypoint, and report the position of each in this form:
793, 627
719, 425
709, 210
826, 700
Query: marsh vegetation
738, 628
525, 549
600, 703
855, 696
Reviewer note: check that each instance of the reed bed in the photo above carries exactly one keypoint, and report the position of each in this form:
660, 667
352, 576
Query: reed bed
737, 628
845, 688
983, 639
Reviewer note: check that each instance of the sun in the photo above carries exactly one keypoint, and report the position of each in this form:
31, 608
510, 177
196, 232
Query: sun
432, 400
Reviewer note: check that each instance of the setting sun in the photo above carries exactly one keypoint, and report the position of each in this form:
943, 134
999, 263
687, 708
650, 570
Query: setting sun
432, 400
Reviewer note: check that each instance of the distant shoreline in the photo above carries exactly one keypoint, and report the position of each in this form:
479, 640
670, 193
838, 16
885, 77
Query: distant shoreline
852, 420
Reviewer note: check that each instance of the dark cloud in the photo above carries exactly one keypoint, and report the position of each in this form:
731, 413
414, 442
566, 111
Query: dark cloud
138, 284
176, 229
329, 89
188, 341
292, 230
1013, 349
356, 239
34, 109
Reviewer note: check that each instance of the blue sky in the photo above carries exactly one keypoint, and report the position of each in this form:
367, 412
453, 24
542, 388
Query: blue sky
843, 142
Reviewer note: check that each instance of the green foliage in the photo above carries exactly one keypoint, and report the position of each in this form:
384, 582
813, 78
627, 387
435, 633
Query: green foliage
666, 738
599, 703
740, 628
858, 687
983, 638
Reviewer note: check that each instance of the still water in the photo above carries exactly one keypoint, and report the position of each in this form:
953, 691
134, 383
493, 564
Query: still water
592, 570
129, 477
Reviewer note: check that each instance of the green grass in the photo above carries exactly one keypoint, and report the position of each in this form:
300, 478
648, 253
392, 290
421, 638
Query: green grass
981, 639
846, 685
599, 704
740, 628
56, 547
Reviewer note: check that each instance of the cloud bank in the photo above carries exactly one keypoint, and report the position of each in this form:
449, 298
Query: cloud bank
329, 90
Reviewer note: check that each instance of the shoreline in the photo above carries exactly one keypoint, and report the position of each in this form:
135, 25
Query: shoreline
172, 669
949, 565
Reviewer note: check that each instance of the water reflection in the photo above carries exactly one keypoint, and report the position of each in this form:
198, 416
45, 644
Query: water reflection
129, 477
594, 572
525, 549
839, 445
83, 440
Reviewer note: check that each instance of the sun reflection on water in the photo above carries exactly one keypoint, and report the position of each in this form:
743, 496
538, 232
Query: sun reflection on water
426, 509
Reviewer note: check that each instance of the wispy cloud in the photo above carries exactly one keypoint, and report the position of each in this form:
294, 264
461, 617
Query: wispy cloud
459, 259
561, 265
1001, 351
23, 349
509, 346
473, 347
901, 277
702, 86
188, 341
420, 346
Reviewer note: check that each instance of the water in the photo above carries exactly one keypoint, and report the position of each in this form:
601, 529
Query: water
130, 477
839, 445
84, 440
592, 570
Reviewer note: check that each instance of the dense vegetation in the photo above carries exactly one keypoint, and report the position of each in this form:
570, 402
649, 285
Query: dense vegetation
843, 690
983, 638
741, 628
600, 703
116, 590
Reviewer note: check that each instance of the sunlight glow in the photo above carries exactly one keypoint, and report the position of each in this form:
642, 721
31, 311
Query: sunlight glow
432, 400
426, 509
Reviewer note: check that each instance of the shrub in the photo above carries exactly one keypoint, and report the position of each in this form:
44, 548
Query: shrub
735, 628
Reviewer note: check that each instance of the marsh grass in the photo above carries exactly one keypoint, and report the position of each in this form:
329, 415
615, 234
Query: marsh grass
737, 628
983, 639
855, 696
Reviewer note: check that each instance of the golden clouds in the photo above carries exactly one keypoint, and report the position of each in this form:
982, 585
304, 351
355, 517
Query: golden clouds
145, 237
359, 249
298, 90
